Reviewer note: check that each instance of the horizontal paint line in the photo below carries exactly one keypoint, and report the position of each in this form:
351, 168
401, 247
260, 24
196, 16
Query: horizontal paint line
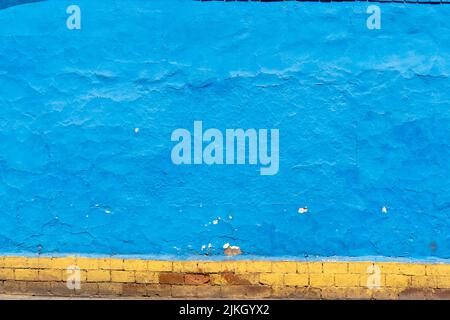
378, 259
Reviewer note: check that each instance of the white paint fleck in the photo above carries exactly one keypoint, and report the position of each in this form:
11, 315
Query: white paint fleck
87, 216
384, 209
136, 130
209, 245
107, 211
203, 247
226, 245
230, 217
215, 221
303, 210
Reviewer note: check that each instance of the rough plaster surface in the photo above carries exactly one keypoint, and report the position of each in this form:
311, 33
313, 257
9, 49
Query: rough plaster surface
363, 118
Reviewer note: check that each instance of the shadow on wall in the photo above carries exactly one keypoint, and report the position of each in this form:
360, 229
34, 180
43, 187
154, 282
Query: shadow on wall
11, 3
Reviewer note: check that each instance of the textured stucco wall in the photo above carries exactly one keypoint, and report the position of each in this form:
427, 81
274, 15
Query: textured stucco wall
363, 118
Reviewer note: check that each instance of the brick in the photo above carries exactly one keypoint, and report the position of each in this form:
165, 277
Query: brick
272, 278
412, 269
61, 289
156, 265
389, 267
38, 288
157, 290
110, 289
347, 280
229, 266
416, 294
87, 263
397, 281
116, 264
303, 293
51, 275
171, 278
438, 269
122, 276
135, 265
386, 294
45, 263
335, 267
216, 279
443, 282
303, 267
63, 263
15, 262
146, 277
15, 287
293, 279
236, 278
210, 267
33, 263
245, 291
6, 274
321, 280
134, 289
185, 266
88, 290
258, 266
110, 264
359, 267
442, 294
98, 276
346, 293
315, 267
26, 274
284, 266
307, 293
201, 291
245, 278
424, 282
281, 291
196, 279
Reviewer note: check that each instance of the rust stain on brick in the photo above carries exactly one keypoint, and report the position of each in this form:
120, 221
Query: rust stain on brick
196, 278
171, 278
232, 278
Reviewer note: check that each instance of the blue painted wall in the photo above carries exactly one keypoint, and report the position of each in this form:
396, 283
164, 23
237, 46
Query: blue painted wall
364, 120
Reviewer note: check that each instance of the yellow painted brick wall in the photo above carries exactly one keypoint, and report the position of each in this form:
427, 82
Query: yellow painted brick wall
223, 279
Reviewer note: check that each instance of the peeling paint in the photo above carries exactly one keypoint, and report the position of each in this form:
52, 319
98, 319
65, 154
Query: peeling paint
303, 210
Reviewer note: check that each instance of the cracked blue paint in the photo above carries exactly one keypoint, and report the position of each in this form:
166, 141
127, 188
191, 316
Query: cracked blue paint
363, 118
